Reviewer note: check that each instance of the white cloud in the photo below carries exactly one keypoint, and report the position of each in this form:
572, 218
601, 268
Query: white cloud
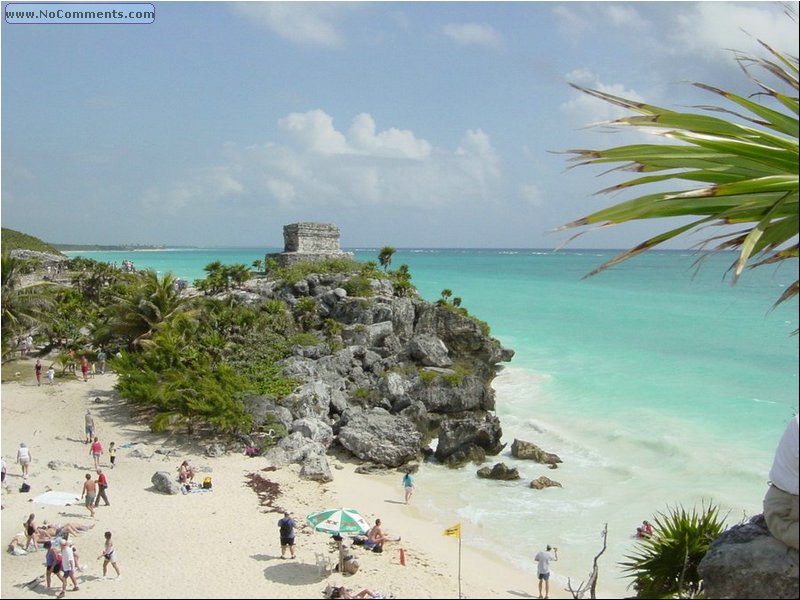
314, 130
319, 166
309, 23
711, 29
472, 34
392, 142
625, 16
531, 194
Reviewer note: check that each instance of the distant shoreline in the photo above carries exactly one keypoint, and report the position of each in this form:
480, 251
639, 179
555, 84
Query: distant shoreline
115, 248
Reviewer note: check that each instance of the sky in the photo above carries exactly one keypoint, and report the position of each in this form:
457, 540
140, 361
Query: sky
410, 124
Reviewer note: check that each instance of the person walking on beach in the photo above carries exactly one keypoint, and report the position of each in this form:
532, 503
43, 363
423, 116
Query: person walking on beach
24, 459
286, 526
112, 454
101, 361
543, 568
108, 555
68, 568
88, 493
102, 486
38, 370
51, 375
52, 563
96, 451
88, 426
408, 485
85, 367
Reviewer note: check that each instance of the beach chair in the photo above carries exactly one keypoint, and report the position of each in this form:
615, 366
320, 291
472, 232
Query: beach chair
323, 563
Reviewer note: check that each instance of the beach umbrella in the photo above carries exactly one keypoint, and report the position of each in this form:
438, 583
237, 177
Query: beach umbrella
337, 521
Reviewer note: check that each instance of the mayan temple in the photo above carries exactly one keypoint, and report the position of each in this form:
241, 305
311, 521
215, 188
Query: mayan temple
309, 242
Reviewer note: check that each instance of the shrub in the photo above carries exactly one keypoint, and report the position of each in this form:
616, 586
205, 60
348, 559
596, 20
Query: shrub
666, 563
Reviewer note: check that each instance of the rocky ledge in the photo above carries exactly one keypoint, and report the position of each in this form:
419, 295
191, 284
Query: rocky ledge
397, 373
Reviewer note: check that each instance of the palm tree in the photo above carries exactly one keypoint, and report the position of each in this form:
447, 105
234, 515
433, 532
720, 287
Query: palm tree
23, 308
143, 306
747, 171
385, 256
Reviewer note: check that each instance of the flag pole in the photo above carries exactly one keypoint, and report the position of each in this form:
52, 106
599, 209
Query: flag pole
455, 531
459, 568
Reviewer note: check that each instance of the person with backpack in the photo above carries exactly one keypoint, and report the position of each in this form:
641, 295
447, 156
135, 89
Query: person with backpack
287, 525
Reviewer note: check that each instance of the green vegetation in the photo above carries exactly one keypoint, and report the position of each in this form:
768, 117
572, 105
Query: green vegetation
665, 565
454, 306
358, 286
294, 273
222, 278
385, 256
16, 240
747, 173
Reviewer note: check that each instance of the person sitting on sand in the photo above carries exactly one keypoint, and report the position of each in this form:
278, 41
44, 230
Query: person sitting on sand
19, 541
645, 531
376, 538
186, 472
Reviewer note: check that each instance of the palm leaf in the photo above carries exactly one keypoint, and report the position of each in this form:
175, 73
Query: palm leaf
741, 173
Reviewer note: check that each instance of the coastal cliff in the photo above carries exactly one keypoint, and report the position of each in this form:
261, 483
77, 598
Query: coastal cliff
390, 373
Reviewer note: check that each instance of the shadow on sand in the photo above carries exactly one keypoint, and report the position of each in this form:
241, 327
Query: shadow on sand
291, 572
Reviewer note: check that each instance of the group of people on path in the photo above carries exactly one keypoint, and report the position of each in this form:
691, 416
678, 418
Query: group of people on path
62, 561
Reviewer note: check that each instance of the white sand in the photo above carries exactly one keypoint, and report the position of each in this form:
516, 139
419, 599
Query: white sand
221, 544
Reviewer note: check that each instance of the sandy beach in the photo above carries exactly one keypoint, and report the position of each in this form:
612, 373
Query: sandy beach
219, 544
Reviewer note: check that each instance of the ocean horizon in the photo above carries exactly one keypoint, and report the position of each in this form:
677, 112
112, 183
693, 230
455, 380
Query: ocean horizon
657, 383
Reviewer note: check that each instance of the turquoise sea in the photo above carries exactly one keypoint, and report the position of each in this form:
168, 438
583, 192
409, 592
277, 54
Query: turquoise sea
657, 384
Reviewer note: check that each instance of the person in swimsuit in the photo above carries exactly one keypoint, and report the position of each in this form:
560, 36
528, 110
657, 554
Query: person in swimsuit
30, 533
89, 492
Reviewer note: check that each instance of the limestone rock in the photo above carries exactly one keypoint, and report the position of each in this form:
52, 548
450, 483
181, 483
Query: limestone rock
530, 451
544, 482
429, 350
500, 471
455, 434
165, 483
380, 437
747, 562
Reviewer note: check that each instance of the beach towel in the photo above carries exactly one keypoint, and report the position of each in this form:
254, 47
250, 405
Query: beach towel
58, 498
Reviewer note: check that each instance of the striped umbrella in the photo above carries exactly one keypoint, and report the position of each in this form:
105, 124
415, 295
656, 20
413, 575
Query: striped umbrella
338, 521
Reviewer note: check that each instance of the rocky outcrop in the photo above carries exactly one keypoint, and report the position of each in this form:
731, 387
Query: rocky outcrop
395, 373
165, 483
543, 482
747, 562
499, 471
530, 451
460, 435
380, 437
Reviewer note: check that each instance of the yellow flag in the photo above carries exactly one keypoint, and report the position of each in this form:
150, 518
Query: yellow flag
454, 531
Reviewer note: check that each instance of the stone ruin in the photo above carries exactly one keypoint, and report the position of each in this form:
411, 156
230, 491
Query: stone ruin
308, 242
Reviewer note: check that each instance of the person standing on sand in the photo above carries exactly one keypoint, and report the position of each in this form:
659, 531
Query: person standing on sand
408, 485
88, 493
101, 361
543, 568
51, 374
287, 525
24, 459
112, 454
38, 370
88, 426
96, 451
108, 555
85, 368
